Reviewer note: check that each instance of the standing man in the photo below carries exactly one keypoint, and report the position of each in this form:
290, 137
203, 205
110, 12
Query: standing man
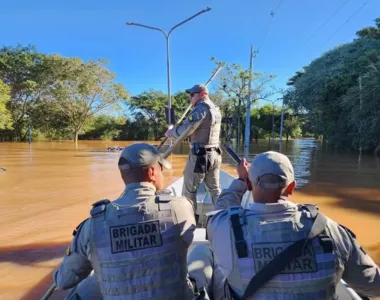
136, 245
205, 158
277, 249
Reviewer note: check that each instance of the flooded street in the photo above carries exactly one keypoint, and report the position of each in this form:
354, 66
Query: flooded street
48, 190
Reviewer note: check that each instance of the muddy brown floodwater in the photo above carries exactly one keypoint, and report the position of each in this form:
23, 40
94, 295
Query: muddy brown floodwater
48, 189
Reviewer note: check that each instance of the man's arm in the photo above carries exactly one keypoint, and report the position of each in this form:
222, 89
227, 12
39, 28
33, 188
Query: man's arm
185, 218
360, 271
231, 196
194, 119
76, 265
234, 194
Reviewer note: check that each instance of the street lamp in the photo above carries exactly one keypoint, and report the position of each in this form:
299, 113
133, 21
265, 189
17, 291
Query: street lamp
167, 35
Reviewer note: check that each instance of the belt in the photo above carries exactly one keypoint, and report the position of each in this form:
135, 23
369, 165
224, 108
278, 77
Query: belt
203, 150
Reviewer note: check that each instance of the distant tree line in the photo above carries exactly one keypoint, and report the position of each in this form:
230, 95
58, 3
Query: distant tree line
66, 98
336, 98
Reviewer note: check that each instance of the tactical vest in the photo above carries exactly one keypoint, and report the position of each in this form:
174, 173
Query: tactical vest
137, 251
207, 134
262, 236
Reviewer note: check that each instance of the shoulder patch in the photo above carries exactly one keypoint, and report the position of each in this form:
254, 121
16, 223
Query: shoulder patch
198, 113
99, 206
195, 116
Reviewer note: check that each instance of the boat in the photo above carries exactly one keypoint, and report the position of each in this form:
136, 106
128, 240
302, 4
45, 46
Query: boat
87, 288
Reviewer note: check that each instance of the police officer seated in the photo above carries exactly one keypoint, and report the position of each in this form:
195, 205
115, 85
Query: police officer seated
136, 245
277, 249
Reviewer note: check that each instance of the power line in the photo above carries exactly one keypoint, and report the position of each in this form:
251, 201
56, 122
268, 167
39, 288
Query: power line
331, 16
348, 20
272, 13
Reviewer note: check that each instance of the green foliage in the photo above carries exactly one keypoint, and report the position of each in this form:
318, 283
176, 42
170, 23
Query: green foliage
22, 69
292, 127
370, 32
48, 120
5, 115
103, 127
81, 90
339, 91
137, 129
234, 84
151, 105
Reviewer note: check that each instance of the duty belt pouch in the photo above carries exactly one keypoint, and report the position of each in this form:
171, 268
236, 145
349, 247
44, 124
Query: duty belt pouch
197, 150
202, 165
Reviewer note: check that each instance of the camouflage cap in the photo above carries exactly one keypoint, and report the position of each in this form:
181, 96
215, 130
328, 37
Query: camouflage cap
139, 155
273, 163
198, 88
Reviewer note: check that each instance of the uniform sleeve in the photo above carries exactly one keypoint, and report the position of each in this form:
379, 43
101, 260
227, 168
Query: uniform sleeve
76, 265
193, 120
185, 218
220, 237
231, 196
360, 271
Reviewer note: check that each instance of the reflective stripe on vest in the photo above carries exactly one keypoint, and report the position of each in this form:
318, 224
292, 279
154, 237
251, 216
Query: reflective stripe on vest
137, 252
309, 276
208, 133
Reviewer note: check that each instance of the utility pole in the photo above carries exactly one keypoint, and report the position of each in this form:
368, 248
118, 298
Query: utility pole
248, 108
282, 123
360, 107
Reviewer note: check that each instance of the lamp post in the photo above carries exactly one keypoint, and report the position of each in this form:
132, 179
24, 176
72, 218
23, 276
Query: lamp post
167, 36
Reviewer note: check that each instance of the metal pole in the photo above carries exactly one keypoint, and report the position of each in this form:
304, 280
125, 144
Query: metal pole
282, 120
282, 124
167, 35
360, 103
272, 123
248, 110
49, 292
169, 85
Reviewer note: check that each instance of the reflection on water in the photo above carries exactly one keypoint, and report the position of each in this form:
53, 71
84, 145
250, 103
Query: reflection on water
48, 190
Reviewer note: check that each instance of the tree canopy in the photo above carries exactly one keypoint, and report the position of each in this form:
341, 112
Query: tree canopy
340, 92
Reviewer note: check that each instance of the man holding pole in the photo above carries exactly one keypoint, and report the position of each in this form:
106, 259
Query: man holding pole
205, 157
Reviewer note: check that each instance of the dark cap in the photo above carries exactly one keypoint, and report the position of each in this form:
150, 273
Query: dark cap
198, 88
139, 155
